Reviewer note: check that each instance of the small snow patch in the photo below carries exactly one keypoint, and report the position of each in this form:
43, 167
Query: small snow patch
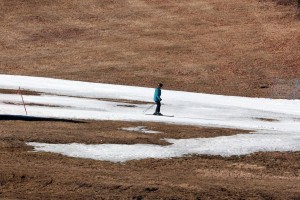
141, 129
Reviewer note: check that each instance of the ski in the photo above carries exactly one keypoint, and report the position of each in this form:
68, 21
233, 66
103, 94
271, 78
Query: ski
166, 115
162, 115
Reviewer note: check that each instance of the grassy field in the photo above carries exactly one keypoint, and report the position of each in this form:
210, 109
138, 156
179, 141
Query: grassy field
31, 175
225, 47
231, 47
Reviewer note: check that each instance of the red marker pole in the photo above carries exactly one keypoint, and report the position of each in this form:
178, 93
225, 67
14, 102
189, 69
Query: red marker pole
23, 100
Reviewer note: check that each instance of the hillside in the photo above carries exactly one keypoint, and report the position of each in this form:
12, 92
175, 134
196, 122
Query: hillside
225, 47
95, 144
83, 140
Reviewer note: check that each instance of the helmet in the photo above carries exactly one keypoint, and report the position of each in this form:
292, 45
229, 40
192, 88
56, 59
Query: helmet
160, 84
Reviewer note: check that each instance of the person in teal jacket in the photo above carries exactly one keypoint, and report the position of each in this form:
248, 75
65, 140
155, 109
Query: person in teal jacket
157, 99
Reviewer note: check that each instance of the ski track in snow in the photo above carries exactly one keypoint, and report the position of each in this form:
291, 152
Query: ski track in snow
81, 100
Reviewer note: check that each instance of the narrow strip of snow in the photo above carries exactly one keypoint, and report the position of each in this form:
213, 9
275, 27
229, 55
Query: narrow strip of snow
142, 129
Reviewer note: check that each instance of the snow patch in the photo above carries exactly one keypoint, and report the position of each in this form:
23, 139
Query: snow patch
241, 144
275, 122
141, 129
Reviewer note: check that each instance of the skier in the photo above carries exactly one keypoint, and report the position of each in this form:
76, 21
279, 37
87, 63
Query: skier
157, 99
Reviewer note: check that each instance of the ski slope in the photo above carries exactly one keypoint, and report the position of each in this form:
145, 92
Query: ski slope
275, 124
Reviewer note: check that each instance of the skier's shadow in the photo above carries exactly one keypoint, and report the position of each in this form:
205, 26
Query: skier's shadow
35, 119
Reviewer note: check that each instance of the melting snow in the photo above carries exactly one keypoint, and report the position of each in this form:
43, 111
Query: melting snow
141, 129
80, 100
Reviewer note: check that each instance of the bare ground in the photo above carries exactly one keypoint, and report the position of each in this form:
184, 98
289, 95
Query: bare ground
32, 175
232, 47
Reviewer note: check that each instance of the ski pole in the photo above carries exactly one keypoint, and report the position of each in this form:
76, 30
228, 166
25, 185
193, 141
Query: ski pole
148, 108
23, 100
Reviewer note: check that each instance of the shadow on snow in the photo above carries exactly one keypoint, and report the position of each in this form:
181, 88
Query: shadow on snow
31, 118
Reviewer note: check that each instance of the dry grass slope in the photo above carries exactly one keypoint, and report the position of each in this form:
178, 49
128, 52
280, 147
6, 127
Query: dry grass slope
225, 47
31, 175
231, 47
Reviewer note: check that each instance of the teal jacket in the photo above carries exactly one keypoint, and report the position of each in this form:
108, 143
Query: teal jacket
157, 95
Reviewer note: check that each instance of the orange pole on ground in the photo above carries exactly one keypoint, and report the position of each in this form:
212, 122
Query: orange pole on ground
23, 100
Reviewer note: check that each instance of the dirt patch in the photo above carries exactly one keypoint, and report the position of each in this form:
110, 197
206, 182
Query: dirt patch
35, 104
26, 174
103, 132
267, 119
24, 92
125, 101
231, 47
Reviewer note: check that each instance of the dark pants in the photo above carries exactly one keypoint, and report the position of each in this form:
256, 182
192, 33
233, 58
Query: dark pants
158, 104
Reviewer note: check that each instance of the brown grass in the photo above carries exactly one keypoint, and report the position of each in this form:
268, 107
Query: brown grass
125, 101
232, 47
23, 92
225, 47
268, 119
31, 175
102, 132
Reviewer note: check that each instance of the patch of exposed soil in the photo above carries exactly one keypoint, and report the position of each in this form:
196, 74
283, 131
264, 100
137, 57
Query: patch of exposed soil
23, 92
224, 47
34, 104
94, 132
31, 175
125, 101
267, 119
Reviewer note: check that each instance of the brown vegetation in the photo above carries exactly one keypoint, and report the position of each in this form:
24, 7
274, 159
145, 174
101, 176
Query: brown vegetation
23, 92
31, 175
225, 47
232, 47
